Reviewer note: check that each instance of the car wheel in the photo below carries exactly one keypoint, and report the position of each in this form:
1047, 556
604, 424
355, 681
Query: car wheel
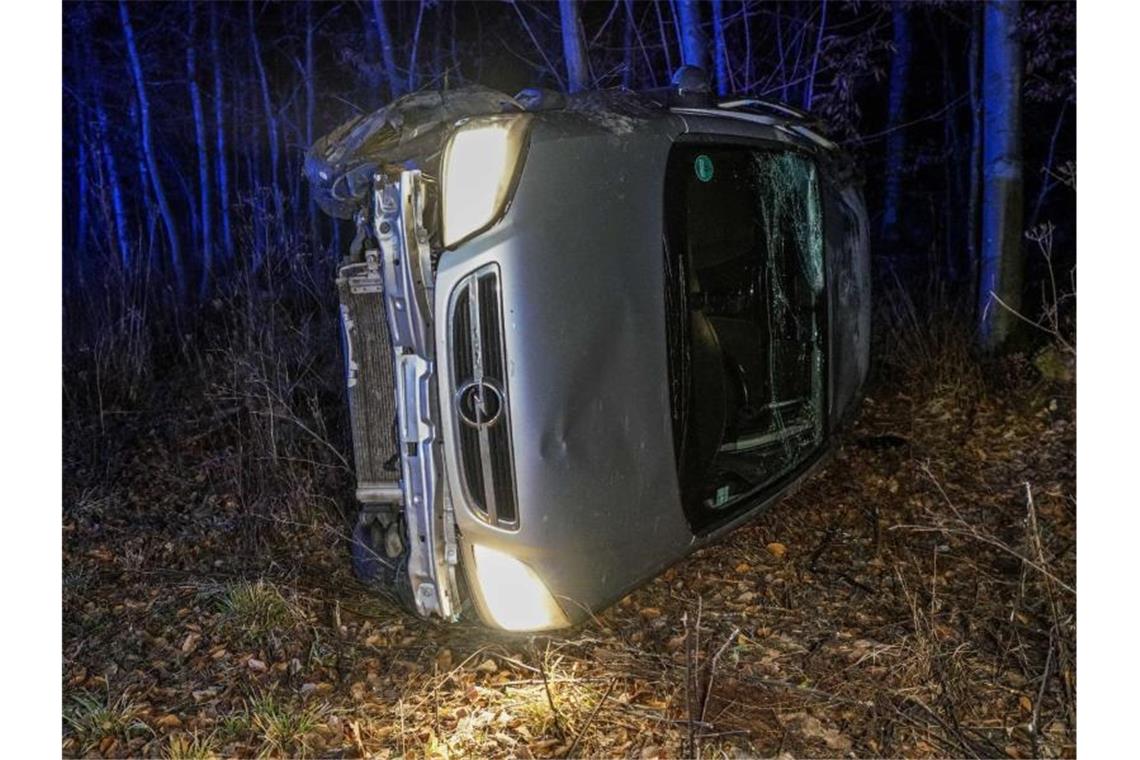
368, 561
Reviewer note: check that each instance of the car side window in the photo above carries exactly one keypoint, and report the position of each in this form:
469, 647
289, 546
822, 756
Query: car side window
745, 253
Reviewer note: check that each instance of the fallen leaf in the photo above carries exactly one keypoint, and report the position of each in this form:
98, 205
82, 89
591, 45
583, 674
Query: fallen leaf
169, 721
190, 643
650, 613
487, 666
1026, 703
256, 665
79, 677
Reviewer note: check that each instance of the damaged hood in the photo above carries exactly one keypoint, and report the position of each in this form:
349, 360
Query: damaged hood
340, 165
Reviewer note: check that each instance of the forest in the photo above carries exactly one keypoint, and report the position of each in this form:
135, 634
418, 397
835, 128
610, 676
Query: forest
914, 598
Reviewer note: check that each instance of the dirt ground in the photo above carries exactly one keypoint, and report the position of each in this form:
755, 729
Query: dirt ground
916, 598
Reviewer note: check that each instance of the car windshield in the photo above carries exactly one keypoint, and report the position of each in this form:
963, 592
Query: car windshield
748, 309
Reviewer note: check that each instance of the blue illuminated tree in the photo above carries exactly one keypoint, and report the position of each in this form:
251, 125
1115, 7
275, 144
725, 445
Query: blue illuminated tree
1001, 265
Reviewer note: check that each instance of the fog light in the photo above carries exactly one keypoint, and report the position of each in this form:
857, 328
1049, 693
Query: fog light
514, 595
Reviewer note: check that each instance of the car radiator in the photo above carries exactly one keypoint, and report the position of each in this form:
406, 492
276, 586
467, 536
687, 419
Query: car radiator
370, 382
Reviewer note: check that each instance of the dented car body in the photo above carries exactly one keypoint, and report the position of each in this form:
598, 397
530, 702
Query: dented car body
585, 336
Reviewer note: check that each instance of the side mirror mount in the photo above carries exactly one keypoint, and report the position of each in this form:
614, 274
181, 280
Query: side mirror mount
691, 88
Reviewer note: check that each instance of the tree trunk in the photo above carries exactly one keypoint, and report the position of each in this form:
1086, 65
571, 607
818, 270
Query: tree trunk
664, 39
174, 244
951, 179
118, 210
413, 82
694, 45
896, 134
82, 214
973, 208
205, 202
387, 51
809, 91
723, 84
220, 137
310, 117
1002, 191
271, 125
148, 218
627, 47
573, 46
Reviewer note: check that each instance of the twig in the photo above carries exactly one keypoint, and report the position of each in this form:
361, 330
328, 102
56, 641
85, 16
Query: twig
987, 540
549, 697
818, 551
1033, 727
550, 67
807, 690
688, 680
590, 720
712, 671
1062, 652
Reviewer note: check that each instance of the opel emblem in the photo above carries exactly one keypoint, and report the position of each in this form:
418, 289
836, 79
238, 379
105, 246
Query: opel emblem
479, 404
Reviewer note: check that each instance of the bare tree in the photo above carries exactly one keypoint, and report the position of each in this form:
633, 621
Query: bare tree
573, 46
720, 50
896, 134
205, 204
694, 43
111, 170
974, 61
174, 244
271, 120
999, 292
387, 50
220, 136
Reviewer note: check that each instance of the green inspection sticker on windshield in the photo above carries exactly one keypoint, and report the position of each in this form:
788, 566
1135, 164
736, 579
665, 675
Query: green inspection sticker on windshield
704, 167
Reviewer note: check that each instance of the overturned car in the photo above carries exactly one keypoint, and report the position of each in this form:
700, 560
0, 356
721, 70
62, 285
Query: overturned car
585, 335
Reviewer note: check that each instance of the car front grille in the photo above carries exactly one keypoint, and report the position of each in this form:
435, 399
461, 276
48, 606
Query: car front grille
480, 400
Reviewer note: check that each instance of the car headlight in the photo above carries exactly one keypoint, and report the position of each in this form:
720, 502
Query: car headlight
480, 164
513, 594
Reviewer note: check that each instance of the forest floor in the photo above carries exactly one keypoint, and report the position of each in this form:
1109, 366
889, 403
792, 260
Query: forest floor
915, 598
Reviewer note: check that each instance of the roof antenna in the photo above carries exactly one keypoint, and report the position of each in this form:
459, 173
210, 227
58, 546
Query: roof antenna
691, 88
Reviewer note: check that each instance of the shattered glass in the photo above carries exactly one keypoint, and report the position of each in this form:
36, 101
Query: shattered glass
745, 233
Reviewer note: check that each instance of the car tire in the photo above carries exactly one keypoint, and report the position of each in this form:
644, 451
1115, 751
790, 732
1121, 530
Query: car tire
368, 562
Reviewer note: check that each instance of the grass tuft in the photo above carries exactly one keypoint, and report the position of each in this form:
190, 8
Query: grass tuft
192, 746
90, 718
285, 730
257, 609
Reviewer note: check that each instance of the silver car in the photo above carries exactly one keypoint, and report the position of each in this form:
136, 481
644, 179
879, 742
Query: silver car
585, 336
